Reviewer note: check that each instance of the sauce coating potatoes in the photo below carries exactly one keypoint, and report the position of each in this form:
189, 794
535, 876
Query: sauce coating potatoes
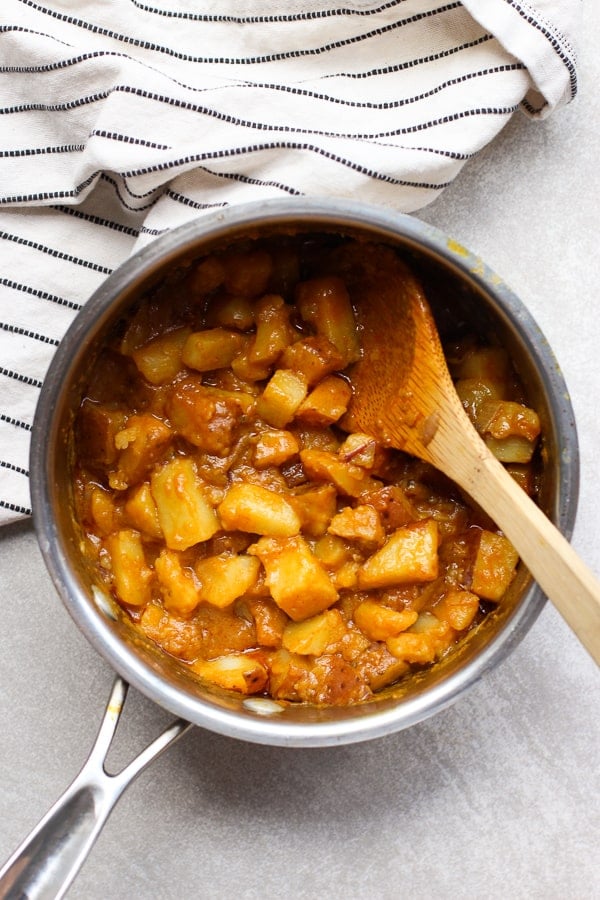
237, 518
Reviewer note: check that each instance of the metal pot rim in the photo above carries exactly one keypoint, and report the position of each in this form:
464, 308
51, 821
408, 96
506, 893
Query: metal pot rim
353, 724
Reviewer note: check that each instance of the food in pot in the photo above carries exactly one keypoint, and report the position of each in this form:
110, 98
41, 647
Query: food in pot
237, 518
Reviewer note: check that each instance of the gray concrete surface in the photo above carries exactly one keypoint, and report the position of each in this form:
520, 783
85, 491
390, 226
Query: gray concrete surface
496, 797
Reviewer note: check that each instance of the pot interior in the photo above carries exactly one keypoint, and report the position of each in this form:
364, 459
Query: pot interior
458, 286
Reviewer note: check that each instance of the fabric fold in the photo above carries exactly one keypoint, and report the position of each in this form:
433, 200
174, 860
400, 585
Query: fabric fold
123, 120
542, 35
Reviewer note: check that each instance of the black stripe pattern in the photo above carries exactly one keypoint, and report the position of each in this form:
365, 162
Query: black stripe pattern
119, 121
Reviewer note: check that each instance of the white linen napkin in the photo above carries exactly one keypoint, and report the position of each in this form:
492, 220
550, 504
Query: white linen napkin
122, 119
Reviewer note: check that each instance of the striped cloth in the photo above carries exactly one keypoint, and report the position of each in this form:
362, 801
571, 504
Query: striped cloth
122, 119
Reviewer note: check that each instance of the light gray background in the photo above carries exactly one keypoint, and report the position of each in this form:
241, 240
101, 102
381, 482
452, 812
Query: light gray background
497, 797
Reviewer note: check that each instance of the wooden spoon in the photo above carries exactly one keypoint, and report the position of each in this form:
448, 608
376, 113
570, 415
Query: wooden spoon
404, 397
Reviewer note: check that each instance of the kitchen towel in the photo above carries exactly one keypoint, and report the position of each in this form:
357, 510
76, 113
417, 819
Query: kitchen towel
121, 119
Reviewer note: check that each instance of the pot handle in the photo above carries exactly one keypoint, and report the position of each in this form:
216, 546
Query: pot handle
45, 864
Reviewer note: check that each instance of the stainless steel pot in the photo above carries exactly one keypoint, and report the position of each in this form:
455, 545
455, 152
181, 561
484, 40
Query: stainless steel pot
481, 292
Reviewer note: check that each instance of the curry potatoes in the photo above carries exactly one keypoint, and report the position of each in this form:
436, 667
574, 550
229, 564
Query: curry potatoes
237, 518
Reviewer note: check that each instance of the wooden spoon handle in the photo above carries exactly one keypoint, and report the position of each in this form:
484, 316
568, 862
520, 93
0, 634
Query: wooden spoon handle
564, 578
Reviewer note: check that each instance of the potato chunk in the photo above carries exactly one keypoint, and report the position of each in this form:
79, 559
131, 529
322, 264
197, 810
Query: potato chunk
424, 641
273, 334
314, 358
205, 416
347, 575
274, 447
281, 398
392, 504
186, 517
474, 391
379, 622
141, 511
412, 648
132, 576
104, 512
315, 506
324, 303
458, 608
326, 403
495, 566
254, 508
513, 449
332, 551
360, 523
235, 672
179, 590
509, 429
312, 636
160, 360
296, 579
269, 620
409, 554
141, 444
211, 349
360, 449
322, 465
225, 578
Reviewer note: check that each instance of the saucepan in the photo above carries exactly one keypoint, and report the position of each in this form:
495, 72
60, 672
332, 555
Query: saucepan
46, 863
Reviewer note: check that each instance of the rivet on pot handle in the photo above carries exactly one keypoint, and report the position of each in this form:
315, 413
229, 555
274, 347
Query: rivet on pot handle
45, 864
